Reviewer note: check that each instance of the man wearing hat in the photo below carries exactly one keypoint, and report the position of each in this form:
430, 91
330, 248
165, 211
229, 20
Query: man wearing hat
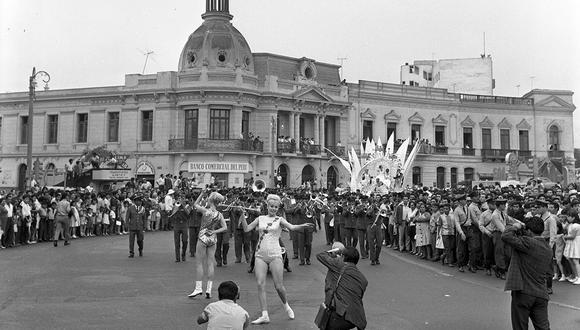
375, 233
486, 228
136, 222
550, 227
461, 216
499, 220
179, 221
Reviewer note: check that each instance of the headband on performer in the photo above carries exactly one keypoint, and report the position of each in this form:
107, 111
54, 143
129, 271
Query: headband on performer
275, 198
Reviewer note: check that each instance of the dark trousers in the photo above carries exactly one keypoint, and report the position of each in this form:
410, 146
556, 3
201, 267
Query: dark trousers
305, 245
337, 322
350, 237
375, 241
62, 226
463, 247
363, 243
242, 243
222, 248
329, 231
449, 244
393, 235
180, 237
525, 307
295, 243
140, 236
50, 229
7, 239
488, 251
500, 252
43, 230
339, 232
193, 234
475, 254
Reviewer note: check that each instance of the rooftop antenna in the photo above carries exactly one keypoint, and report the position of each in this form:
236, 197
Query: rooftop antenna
342, 59
147, 54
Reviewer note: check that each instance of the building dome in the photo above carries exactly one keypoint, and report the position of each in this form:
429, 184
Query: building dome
216, 43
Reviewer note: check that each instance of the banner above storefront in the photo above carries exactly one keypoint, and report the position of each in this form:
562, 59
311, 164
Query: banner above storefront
218, 167
112, 175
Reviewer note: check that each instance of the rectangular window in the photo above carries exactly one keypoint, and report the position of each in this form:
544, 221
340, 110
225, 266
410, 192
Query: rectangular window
367, 129
392, 130
147, 125
191, 126
24, 130
417, 175
453, 177
411, 83
467, 137
219, 124
439, 135
524, 140
504, 139
430, 76
245, 124
52, 137
113, 127
415, 132
82, 127
425, 75
485, 138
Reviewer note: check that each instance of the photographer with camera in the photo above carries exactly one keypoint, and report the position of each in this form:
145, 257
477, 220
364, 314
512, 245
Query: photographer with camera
529, 269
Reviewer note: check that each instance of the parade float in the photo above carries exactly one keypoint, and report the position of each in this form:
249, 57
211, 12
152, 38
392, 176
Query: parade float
380, 169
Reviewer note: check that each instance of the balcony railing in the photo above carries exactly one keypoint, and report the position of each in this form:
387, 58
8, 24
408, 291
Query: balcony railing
494, 155
310, 149
495, 99
468, 152
216, 145
286, 147
441, 150
555, 153
337, 150
524, 153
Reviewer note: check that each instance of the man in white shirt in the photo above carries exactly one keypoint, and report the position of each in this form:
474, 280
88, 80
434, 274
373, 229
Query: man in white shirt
225, 313
168, 201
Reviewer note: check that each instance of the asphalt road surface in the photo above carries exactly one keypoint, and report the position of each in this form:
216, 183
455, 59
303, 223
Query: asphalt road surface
91, 284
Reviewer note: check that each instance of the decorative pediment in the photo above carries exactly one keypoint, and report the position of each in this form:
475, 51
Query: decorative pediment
467, 122
504, 123
523, 125
440, 120
416, 118
392, 116
368, 114
486, 123
312, 94
555, 102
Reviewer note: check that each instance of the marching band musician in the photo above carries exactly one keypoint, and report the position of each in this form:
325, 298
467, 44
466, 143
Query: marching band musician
291, 206
339, 222
329, 223
375, 233
242, 240
350, 236
361, 225
179, 221
223, 239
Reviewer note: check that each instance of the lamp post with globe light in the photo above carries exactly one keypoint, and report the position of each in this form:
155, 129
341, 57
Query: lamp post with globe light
31, 96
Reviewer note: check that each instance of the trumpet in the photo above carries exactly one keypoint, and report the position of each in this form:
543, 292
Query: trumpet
259, 186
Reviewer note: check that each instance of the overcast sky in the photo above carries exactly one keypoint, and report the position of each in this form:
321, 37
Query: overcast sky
95, 43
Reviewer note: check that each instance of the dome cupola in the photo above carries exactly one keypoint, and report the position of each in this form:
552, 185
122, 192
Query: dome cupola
216, 43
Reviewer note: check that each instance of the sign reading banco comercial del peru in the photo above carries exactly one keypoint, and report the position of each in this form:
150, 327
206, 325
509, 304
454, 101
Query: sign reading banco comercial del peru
218, 167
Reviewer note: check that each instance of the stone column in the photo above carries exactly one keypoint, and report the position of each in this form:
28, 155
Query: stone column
322, 133
291, 123
317, 129
297, 132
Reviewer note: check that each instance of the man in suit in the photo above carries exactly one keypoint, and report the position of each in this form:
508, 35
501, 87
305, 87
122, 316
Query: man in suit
136, 224
179, 221
401, 220
194, 222
529, 269
348, 285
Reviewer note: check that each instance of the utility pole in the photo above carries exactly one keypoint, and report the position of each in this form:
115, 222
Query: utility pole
273, 140
31, 96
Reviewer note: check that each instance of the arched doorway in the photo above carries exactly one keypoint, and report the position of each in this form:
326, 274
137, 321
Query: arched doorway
308, 174
331, 178
282, 175
22, 177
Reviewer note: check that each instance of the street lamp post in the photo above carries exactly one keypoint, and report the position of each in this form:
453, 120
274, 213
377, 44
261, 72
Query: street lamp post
31, 95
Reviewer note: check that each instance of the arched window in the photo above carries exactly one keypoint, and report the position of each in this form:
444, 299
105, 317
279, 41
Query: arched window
453, 177
441, 177
417, 175
554, 138
468, 174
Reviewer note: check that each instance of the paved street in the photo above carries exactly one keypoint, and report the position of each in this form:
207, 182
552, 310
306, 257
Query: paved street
93, 285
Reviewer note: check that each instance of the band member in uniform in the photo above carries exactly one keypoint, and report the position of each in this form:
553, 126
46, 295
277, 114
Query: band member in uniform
291, 213
487, 229
136, 222
350, 225
269, 254
375, 234
362, 212
339, 220
212, 223
194, 221
329, 223
241, 238
179, 221
223, 239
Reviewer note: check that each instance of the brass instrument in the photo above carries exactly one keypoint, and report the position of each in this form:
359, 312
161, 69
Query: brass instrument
259, 186
383, 212
231, 206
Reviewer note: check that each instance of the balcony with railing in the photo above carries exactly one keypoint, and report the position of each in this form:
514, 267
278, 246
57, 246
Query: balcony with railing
216, 145
310, 149
522, 154
495, 99
494, 155
286, 147
337, 150
440, 150
555, 153
468, 152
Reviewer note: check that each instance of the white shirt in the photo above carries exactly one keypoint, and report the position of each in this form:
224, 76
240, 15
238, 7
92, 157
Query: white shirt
225, 314
10, 210
168, 203
160, 181
25, 209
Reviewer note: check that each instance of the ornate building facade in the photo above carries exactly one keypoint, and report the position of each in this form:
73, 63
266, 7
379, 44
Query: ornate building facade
235, 115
